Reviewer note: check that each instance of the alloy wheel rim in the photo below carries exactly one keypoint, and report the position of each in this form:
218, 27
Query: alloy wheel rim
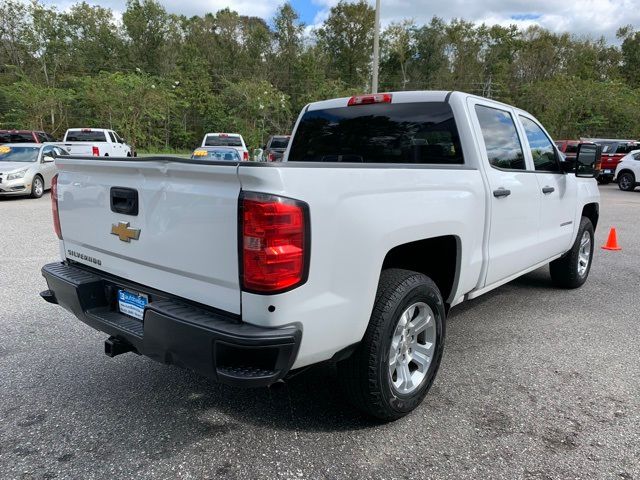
412, 348
584, 254
624, 182
38, 186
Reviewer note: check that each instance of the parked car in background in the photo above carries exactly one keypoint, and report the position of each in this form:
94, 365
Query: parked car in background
233, 140
275, 147
569, 148
27, 168
351, 251
612, 153
628, 171
25, 136
95, 142
216, 154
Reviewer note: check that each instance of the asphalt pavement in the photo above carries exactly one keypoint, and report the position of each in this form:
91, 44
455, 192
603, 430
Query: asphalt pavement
536, 383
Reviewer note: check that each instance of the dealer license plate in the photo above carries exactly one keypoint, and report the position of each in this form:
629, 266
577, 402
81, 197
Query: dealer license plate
132, 304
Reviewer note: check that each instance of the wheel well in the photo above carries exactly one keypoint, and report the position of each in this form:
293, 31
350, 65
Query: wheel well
592, 212
436, 258
626, 170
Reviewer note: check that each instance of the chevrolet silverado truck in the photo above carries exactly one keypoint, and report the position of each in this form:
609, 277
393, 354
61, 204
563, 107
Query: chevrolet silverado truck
387, 211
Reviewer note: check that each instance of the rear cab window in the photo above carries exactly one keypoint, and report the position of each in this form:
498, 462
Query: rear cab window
279, 142
85, 136
16, 137
391, 133
222, 141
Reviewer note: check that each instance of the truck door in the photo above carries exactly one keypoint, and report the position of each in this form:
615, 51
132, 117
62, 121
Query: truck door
558, 191
514, 194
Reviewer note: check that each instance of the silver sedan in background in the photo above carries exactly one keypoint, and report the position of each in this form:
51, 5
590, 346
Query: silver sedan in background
27, 168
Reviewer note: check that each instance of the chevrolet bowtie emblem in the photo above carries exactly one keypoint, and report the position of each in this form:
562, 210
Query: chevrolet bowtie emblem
125, 233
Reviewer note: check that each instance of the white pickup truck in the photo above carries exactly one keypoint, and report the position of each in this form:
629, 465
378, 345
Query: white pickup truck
95, 142
387, 211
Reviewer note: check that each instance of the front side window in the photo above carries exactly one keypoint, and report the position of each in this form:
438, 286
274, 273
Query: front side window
542, 151
500, 138
391, 133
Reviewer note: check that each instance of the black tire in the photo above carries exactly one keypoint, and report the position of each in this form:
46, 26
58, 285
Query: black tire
35, 191
364, 376
565, 271
627, 181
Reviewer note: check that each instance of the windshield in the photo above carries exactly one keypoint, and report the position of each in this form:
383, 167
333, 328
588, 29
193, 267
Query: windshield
85, 136
423, 133
18, 154
222, 141
279, 142
217, 155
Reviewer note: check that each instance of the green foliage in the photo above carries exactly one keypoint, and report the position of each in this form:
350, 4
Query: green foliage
163, 80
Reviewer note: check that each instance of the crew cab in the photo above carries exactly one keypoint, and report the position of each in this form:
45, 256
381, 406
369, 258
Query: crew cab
612, 153
97, 142
233, 140
386, 211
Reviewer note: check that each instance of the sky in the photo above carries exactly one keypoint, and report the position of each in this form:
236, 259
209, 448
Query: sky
582, 17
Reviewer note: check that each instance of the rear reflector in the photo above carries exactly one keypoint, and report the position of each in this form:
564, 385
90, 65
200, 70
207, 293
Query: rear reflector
274, 243
54, 206
95, 151
369, 99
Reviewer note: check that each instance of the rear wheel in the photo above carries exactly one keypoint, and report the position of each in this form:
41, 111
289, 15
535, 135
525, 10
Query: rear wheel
37, 187
627, 181
394, 366
572, 270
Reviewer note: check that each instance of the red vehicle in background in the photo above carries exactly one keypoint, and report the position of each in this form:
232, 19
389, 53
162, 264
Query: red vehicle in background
613, 150
568, 147
25, 136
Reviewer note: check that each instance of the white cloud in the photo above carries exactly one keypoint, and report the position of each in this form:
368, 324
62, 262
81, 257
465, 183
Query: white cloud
582, 17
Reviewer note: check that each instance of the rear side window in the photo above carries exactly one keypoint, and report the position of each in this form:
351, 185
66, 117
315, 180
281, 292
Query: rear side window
542, 150
501, 139
222, 141
422, 133
85, 136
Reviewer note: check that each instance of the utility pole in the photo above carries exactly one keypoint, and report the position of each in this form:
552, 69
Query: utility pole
376, 49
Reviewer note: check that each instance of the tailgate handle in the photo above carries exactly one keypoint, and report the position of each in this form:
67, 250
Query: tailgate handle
124, 200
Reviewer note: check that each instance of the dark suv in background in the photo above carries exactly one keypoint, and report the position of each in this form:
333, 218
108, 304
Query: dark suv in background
275, 147
25, 136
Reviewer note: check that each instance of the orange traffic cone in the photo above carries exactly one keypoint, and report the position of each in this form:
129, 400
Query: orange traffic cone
612, 241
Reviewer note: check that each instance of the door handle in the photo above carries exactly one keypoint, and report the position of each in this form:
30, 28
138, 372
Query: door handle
547, 190
501, 192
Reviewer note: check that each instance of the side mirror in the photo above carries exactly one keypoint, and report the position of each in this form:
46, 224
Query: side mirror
47, 159
588, 160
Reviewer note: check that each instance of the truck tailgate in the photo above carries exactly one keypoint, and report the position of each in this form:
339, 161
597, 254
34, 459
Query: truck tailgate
187, 223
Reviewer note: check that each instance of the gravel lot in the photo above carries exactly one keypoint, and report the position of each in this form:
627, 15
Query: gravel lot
536, 383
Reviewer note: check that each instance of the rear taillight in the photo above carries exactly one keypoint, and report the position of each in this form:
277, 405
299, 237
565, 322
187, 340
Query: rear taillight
272, 157
274, 243
369, 99
245, 156
95, 151
54, 206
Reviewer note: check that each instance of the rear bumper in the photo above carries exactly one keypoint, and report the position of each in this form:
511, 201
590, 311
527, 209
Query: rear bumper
215, 344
